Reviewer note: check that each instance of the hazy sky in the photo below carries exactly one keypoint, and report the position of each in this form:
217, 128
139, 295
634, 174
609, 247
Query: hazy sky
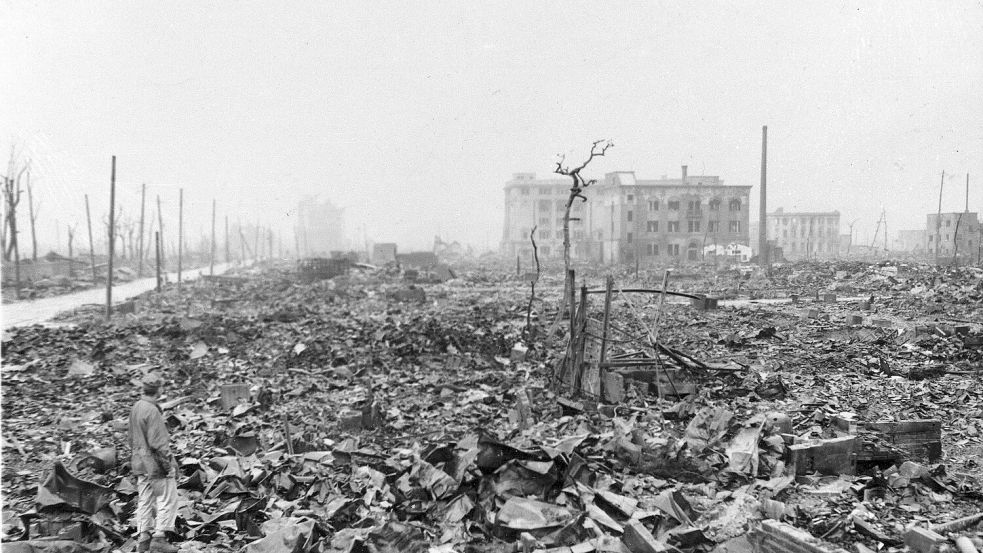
412, 115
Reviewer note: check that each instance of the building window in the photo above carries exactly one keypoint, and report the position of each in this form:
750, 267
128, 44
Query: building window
629, 238
735, 226
544, 191
948, 224
673, 226
673, 250
734, 205
652, 226
652, 249
714, 205
694, 206
631, 197
713, 226
653, 205
524, 191
544, 235
545, 251
694, 226
545, 221
545, 205
630, 214
673, 206
578, 235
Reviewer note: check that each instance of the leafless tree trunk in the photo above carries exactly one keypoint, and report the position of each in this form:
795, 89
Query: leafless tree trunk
579, 185
11, 196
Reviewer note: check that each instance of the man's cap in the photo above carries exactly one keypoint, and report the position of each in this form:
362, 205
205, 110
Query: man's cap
152, 380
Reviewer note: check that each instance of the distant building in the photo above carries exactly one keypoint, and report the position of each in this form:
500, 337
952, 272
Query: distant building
805, 235
957, 234
913, 241
383, 253
320, 228
625, 218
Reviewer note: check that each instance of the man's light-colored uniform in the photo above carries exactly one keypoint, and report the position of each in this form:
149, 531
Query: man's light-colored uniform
153, 465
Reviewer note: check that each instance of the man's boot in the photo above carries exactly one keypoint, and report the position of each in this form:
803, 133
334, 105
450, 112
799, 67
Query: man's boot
143, 542
160, 545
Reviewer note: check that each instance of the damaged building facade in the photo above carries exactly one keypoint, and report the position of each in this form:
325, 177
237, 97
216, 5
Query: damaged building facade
805, 235
659, 221
955, 235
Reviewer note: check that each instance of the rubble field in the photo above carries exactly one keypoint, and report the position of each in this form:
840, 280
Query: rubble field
826, 407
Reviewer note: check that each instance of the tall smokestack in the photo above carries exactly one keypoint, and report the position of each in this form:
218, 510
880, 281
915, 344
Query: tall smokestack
763, 215
684, 174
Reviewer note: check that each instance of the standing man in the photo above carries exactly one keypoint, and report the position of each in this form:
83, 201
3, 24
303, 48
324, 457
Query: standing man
155, 469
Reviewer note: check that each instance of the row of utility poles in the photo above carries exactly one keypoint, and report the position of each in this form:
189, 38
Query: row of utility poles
158, 246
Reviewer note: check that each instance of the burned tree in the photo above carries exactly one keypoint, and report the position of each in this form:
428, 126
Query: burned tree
11, 198
577, 188
598, 149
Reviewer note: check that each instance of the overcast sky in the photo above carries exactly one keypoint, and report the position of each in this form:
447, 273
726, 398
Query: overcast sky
412, 115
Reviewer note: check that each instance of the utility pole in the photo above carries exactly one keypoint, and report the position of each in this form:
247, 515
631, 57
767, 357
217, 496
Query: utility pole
32, 215
143, 202
157, 255
763, 211
112, 240
938, 221
850, 243
211, 268
296, 242
160, 229
227, 258
180, 235
92, 250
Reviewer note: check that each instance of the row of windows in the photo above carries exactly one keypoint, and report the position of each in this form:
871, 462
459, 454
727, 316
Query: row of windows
652, 250
794, 233
650, 227
694, 206
693, 226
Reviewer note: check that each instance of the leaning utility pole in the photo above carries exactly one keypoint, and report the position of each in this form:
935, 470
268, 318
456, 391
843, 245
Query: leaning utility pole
92, 250
211, 267
763, 208
112, 240
143, 201
938, 221
180, 234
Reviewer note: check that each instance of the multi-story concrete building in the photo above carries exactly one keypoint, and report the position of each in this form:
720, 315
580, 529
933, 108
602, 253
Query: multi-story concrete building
911, 241
625, 218
805, 235
957, 234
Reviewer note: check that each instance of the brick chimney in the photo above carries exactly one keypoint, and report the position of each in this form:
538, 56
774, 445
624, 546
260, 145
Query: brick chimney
684, 174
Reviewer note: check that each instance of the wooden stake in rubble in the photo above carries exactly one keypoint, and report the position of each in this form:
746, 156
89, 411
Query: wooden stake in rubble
608, 286
112, 240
